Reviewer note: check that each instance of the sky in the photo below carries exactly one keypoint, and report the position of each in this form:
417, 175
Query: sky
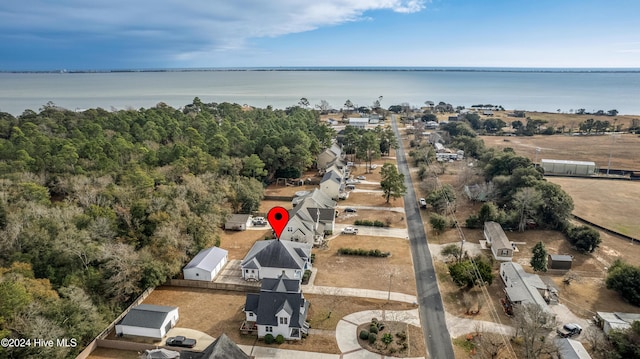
152, 34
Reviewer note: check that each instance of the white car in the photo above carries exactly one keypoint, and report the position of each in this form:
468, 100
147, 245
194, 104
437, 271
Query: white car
361, 178
373, 166
350, 230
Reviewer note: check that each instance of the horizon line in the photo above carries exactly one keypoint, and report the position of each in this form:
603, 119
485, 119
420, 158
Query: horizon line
346, 68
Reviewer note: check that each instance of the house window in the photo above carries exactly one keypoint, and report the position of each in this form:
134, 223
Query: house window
284, 320
289, 229
251, 315
268, 329
197, 274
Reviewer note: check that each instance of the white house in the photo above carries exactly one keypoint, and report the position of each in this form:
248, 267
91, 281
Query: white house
522, 287
496, 238
358, 122
279, 309
615, 321
206, 265
329, 155
273, 258
146, 320
308, 224
331, 184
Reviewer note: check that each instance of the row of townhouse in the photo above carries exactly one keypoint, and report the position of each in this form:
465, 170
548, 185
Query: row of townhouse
280, 307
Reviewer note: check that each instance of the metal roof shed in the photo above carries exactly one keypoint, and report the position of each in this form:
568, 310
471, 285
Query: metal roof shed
559, 261
206, 265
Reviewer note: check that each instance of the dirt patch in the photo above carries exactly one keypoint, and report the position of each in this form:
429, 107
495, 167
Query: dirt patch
406, 340
618, 212
622, 150
370, 199
366, 272
238, 243
104, 353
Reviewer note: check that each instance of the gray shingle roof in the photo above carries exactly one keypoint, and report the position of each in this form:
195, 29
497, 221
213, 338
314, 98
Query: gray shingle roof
331, 176
221, 348
281, 284
278, 254
271, 303
498, 237
147, 316
207, 259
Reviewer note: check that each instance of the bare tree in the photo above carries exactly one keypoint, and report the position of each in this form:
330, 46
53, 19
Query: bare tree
597, 340
526, 200
534, 326
490, 345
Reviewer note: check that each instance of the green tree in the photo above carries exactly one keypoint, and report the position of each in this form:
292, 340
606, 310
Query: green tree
539, 258
451, 251
438, 222
441, 199
585, 238
626, 342
392, 182
304, 102
471, 272
625, 279
368, 148
253, 167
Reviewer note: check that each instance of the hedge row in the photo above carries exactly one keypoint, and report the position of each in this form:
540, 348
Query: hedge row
366, 222
363, 252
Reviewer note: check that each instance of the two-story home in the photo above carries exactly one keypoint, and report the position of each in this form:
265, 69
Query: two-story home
312, 216
273, 258
332, 184
329, 155
279, 309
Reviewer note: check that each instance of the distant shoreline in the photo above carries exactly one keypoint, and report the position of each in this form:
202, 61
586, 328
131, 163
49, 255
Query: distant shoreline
348, 69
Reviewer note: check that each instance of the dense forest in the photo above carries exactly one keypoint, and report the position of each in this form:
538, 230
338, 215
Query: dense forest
96, 206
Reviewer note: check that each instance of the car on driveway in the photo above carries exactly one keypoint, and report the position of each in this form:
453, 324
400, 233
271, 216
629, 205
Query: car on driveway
423, 203
362, 178
569, 330
181, 341
350, 230
350, 210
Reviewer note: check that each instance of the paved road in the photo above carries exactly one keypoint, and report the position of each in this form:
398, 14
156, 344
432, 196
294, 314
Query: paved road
431, 309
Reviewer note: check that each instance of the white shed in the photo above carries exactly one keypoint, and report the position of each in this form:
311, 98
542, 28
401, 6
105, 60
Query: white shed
146, 320
566, 167
206, 265
238, 222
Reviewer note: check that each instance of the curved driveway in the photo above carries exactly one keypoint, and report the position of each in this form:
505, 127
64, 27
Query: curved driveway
431, 309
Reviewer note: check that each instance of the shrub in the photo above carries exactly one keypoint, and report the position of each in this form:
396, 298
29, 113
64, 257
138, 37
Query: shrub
269, 339
306, 275
401, 335
364, 335
373, 328
363, 252
280, 339
585, 238
387, 339
366, 222
372, 338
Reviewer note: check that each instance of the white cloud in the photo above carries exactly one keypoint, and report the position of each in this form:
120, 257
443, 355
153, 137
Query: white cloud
189, 27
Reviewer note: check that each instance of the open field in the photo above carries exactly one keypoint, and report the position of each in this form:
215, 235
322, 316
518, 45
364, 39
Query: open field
394, 219
366, 272
609, 203
238, 243
623, 149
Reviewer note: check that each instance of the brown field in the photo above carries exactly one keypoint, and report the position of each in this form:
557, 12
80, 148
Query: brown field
366, 272
623, 150
609, 203
238, 243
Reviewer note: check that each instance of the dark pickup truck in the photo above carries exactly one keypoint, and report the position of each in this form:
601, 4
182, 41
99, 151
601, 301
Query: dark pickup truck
181, 341
568, 330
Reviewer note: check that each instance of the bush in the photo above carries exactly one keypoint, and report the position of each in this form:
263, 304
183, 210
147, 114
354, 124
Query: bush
363, 252
269, 339
366, 222
306, 275
280, 339
585, 238
373, 328
372, 338
387, 339
364, 335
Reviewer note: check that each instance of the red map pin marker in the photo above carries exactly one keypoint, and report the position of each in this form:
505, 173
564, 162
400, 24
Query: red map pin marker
278, 218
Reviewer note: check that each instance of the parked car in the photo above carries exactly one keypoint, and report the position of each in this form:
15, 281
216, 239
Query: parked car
362, 178
351, 187
352, 181
568, 330
350, 230
373, 166
259, 221
350, 210
423, 203
181, 341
